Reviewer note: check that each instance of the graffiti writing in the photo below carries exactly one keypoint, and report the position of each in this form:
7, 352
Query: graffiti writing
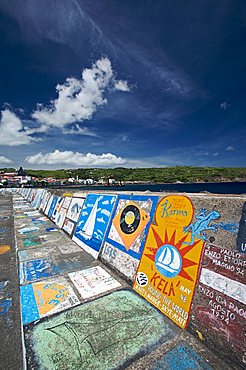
110, 251
173, 212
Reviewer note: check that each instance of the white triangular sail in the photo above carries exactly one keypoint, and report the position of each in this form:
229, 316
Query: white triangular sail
88, 228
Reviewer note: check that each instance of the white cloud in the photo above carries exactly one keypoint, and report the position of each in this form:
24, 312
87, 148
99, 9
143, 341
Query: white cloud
230, 148
74, 159
215, 154
121, 85
4, 160
225, 105
125, 139
77, 130
78, 99
12, 130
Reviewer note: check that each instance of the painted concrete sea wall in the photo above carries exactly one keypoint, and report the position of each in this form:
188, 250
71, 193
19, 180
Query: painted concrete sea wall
72, 215
127, 232
220, 291
219, 306
174, 273
185, 254
93, 222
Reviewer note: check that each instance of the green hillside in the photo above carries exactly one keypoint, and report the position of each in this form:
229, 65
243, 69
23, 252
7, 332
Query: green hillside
168, 175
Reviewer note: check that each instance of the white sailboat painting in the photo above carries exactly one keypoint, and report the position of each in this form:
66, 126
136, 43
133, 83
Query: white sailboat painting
93, 222
88, 228
169, 261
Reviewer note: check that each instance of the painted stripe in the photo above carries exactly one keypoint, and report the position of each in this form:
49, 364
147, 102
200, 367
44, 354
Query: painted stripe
227, 286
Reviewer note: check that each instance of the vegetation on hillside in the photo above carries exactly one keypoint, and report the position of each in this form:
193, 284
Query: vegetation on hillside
165, 175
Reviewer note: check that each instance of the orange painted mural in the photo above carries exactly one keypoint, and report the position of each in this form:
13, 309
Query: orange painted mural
46, 298
130, 222
169, 266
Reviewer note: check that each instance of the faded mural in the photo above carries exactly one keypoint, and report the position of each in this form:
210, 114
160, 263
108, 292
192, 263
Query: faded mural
70, 338
93, 281
219, 303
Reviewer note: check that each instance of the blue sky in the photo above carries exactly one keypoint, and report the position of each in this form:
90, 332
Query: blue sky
109, 83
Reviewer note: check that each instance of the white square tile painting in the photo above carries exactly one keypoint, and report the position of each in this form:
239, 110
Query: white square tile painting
93, 281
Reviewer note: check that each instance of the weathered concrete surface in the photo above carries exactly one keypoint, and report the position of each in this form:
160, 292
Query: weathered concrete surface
10, 323
208, 221
112, 328
218, 314
183, 352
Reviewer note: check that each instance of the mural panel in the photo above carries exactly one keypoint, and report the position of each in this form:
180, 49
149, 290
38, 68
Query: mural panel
181, 357
93, 281
5, 299
34, 241
60, 218
93, 222
57, 209
42, 268
66, 203
52, 206
64, 247
46, 298
38, 269
31, 213
46, 210
168, 269
75, 209
126, 235
38, 197
45, 201
68, 226
219, 304
82, 337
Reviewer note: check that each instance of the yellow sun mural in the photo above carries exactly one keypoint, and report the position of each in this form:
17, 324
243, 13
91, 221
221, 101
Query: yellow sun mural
168, 269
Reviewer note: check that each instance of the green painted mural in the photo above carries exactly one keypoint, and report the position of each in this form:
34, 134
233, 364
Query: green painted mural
102, 334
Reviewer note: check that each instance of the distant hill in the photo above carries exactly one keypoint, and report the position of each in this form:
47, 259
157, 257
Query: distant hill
155, 175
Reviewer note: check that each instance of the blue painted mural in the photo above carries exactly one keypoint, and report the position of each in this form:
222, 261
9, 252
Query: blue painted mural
38, 269
93, 222
37, 200
52, 206
181, 357
57, 208
46, 298
204, 218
